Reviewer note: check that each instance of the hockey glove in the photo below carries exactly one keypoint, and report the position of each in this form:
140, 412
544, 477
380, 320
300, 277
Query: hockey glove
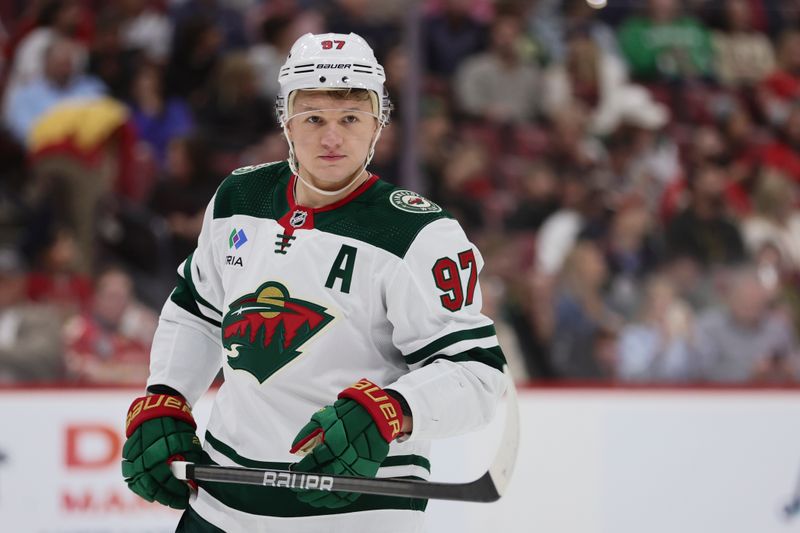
160, 429
350, 437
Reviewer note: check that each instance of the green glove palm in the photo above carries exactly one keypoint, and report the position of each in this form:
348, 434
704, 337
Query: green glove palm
153, 442
352, 446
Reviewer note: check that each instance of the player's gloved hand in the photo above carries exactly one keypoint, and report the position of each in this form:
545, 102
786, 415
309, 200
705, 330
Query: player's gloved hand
350, 437
160, 429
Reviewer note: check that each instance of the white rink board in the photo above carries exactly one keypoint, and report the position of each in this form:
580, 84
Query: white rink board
637, 462
591, 461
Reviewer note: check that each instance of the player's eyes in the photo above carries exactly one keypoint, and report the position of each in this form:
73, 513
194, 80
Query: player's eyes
320, 120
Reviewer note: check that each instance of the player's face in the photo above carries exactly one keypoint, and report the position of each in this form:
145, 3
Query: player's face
331, 137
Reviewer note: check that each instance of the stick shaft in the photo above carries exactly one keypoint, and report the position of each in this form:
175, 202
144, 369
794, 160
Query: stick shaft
480, 490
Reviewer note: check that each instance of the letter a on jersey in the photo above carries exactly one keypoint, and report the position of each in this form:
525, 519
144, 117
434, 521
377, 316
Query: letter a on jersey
343, 268
262, 331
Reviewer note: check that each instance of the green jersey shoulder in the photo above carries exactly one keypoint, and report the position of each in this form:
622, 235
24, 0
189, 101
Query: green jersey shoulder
251, 190
383, 215
386, 216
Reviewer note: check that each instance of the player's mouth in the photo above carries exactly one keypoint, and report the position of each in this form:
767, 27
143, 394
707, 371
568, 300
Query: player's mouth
332, 158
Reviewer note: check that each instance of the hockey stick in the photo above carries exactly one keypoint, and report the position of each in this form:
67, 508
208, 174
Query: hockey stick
792, 509
488, 488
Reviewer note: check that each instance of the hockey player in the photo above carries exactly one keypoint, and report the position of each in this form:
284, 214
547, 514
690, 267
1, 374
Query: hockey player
345, 314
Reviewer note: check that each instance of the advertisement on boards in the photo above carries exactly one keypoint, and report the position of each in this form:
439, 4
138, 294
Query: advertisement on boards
60, 471
590, 461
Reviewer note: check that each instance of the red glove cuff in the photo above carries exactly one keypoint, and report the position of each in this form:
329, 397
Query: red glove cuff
384, 409
155, 406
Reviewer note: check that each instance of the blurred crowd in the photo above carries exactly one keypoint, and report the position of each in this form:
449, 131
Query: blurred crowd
630, 174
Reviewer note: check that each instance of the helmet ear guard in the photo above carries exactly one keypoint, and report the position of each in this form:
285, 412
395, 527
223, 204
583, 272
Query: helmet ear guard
386, 108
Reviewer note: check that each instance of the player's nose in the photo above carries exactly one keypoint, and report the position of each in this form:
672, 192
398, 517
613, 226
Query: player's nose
331, 136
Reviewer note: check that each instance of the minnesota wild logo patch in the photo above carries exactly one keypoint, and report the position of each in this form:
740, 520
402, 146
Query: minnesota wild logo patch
412, 202
263, 331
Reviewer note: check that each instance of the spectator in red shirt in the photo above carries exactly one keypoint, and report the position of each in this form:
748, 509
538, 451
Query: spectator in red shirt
56, 279
784, 153
708, 146
110, 343
782, 87
30, 343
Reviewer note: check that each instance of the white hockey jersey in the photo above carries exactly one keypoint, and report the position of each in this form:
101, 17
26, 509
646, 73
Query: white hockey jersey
295, 304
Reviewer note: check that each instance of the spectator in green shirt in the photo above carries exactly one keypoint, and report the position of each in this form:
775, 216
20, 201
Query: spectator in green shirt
665, 44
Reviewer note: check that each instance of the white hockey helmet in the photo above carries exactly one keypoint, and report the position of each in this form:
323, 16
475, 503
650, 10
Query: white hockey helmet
332, 61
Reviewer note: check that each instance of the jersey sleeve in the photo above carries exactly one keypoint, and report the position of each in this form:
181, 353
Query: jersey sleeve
186, 351
434, 303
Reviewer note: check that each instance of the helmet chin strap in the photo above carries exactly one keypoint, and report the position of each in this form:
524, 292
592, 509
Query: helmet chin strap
352, 180
323, 192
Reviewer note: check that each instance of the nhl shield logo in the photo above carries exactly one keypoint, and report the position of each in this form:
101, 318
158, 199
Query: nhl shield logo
262, 331
298, 218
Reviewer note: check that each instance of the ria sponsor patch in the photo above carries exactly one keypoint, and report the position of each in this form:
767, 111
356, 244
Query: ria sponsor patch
237, 238
412, 202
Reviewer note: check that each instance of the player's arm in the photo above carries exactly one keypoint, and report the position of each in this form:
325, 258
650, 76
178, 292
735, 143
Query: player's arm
186, 352
457, 368
352, 436
184, 359
434, 302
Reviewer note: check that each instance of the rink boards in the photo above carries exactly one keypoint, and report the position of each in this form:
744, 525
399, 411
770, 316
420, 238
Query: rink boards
592, 461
